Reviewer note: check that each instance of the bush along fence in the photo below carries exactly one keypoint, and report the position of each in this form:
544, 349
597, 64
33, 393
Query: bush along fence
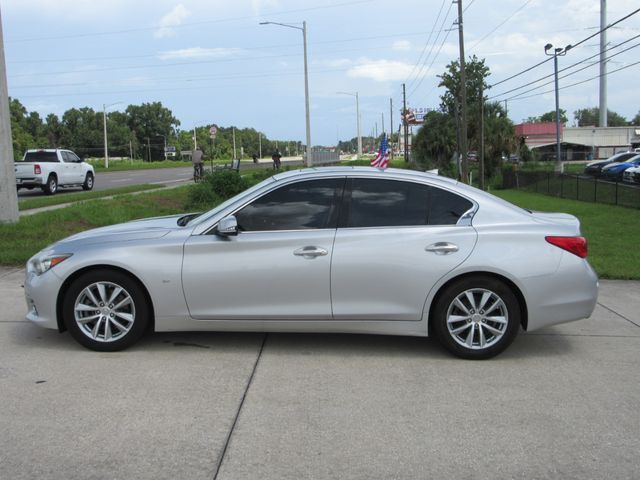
574, 187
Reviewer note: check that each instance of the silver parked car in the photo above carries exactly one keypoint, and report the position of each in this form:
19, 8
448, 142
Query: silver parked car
342, 249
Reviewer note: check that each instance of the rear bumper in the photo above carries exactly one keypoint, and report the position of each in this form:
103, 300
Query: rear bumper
569, 294
30, 182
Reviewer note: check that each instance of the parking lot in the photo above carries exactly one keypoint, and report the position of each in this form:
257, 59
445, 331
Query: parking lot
559, 403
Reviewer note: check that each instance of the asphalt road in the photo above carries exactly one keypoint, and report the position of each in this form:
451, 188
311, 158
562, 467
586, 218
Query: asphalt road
107, 180
559, 403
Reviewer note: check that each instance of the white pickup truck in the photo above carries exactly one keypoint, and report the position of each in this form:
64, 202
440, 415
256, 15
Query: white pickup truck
51, 168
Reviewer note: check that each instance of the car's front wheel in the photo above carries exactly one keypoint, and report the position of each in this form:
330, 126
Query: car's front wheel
476, 317
106, 310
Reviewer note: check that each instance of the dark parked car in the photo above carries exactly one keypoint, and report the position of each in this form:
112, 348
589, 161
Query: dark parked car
595, 168
615, 171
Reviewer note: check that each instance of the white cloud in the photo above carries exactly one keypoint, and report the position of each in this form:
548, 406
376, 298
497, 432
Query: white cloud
381, 70
172, 19
198, 52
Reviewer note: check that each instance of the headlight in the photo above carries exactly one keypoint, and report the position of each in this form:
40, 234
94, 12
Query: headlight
43, 262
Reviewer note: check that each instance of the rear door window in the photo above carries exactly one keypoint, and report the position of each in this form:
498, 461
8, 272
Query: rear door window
42, 157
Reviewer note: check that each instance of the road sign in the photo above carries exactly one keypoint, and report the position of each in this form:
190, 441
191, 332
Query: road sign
213, 130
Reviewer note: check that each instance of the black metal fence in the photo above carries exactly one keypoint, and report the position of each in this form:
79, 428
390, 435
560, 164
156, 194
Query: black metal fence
575, 187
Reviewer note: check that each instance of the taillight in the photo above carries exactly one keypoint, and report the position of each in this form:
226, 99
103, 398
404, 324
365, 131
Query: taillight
575, 245
36, 169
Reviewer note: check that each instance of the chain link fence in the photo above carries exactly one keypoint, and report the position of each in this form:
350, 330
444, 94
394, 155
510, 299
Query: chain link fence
574, 187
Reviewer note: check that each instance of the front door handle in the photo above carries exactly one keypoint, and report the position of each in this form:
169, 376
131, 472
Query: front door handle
310, 252
442, 248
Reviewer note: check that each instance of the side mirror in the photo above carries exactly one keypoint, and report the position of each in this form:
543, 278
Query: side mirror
227, 227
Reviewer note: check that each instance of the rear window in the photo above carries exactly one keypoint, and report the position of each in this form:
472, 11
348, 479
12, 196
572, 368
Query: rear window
40, 157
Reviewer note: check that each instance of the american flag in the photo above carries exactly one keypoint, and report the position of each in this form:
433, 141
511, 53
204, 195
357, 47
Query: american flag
382, 159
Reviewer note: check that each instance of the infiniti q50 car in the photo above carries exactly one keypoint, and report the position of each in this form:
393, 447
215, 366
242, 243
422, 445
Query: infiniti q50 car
343, 249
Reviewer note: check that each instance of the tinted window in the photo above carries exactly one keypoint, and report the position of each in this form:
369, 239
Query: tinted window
446, 207
70, 157
390, 203
41, 157
298, 206
380, 203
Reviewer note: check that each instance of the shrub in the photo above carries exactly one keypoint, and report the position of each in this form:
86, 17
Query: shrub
215, 187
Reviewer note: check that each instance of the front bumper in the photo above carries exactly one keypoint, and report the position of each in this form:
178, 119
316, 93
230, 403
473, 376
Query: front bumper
41, 295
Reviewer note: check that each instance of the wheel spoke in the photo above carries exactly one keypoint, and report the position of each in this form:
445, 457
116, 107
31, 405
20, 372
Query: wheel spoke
495, 305
471, 299
102, 291
469, 339
81, 307
461, 306
96, 328
107, 329
119, 326
455, 331
127, 316
457, 318
114, 294
88, 319
91, 296
122, 303
500, 320
495, 331
485, 298
483, 340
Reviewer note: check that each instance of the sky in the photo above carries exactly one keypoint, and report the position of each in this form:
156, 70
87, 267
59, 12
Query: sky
210, 61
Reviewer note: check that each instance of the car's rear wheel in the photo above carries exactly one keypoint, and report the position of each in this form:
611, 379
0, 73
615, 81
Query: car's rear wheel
51, 186
476, 317
106, 310
88, 182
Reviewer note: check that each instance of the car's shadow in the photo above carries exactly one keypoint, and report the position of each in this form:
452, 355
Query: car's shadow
294, 344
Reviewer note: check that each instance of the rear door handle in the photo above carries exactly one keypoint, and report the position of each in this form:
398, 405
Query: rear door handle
442, 248
310, 252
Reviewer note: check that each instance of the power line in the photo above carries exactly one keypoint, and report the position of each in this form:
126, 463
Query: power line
501, 24
519, 97
191, 24
569, 67
426, 43
573, 46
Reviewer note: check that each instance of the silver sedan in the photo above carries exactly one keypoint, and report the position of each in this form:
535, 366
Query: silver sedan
342, 249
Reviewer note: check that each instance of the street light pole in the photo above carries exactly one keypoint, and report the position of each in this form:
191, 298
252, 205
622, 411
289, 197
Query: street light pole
104, 125
555, 53
309, 156
357, 120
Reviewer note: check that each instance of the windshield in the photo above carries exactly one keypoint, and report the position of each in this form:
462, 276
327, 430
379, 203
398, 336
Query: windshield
205, 216
40, 156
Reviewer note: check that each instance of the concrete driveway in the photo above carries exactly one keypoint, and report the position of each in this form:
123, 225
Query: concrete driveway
560, 403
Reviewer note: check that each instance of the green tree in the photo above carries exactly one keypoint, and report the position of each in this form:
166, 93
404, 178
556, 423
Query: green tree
22, 139
587, 117
82, 131
549, 117
53, 130
147, 122
635, 120
435, 142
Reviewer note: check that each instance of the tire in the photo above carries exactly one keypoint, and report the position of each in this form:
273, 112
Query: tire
105, 310
51, 187
88, 182
476, 317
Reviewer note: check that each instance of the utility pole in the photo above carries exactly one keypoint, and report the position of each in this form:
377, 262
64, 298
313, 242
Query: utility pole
383, 123
481, 159
506, 108
260, 144
404, 122
8, 193
104, 125
391, 125
463, 98
234, 143
603, 64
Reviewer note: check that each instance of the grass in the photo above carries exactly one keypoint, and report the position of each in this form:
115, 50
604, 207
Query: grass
123, 165
30, 203
611, 231
32, 233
